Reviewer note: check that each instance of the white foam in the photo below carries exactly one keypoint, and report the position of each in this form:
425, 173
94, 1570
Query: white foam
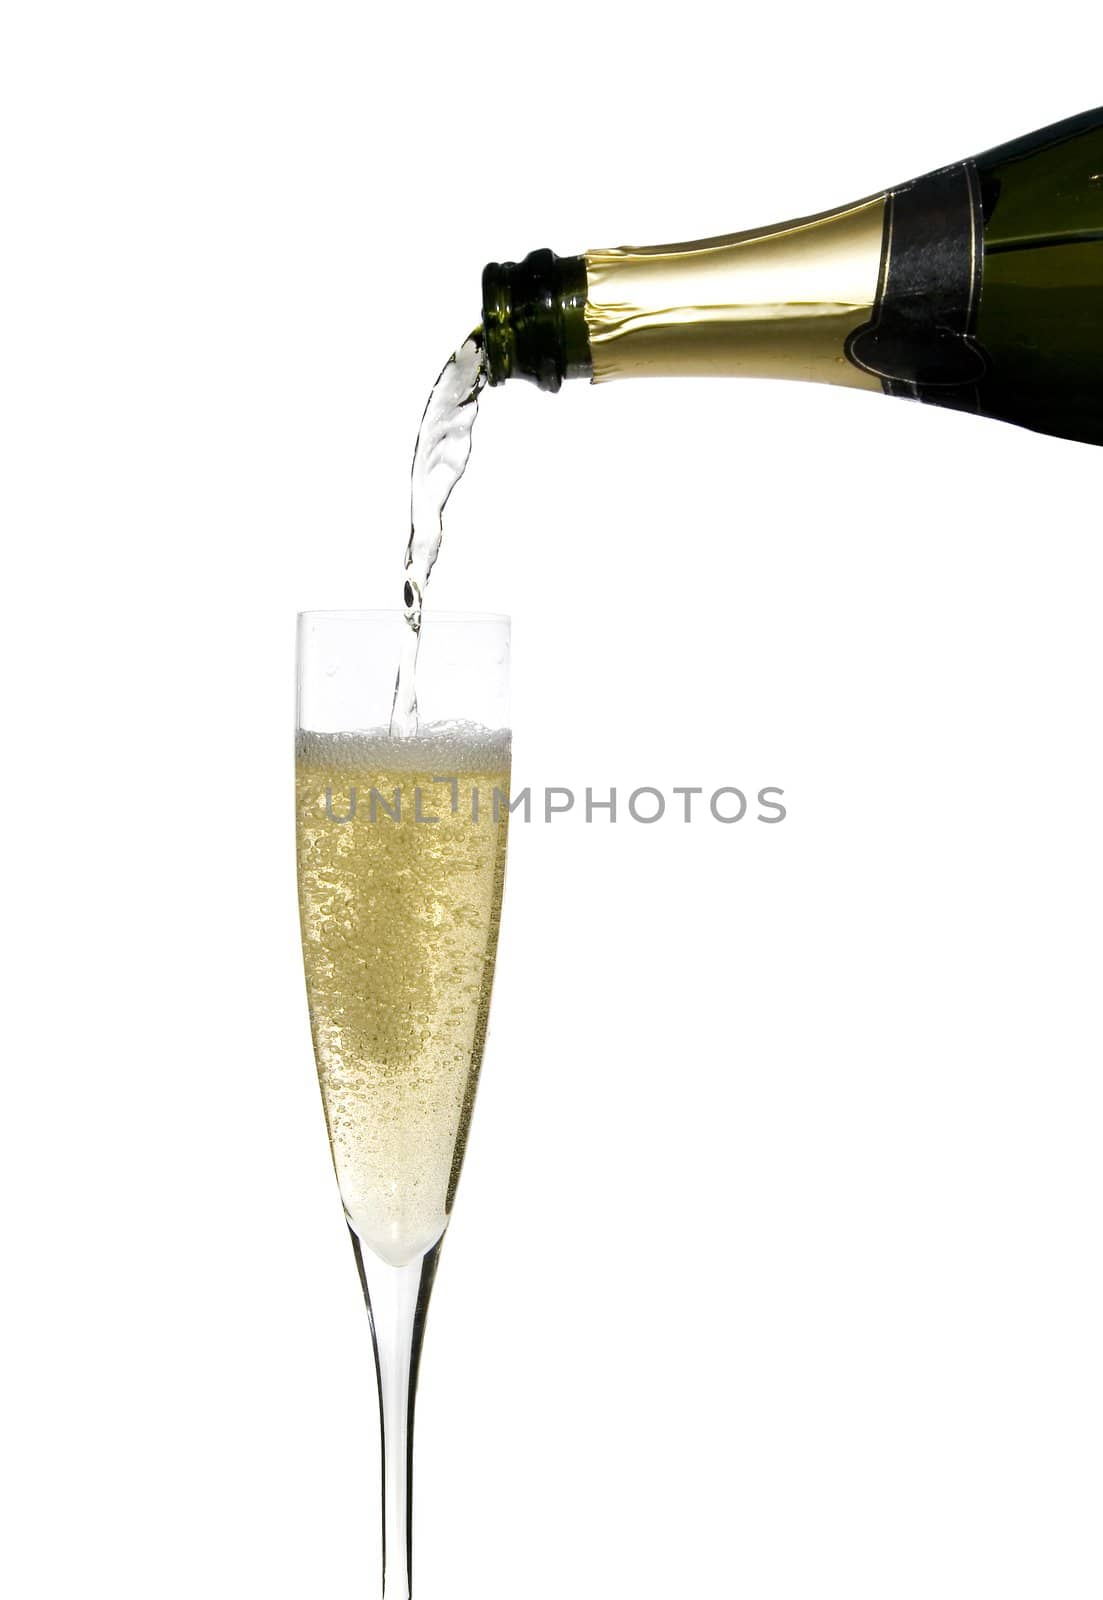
445, 747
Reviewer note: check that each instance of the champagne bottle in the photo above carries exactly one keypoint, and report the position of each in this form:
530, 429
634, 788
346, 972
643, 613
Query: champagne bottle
979, 286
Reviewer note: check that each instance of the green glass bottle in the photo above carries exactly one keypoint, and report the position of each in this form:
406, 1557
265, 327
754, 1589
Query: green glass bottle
979, 286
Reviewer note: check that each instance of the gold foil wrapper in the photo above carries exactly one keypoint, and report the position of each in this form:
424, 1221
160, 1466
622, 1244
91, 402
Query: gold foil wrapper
777, 302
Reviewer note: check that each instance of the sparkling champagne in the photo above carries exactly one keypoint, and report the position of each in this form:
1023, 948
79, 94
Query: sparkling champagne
979, 287
401, 855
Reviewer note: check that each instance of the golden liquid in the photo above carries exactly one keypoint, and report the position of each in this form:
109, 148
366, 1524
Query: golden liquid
399, 927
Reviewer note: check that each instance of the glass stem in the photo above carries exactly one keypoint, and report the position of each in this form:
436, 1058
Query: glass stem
397, 1299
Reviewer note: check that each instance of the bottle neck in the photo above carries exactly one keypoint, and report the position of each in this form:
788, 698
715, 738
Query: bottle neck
534, 319
776, 302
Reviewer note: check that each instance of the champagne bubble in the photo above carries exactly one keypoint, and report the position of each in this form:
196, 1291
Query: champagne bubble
400, 925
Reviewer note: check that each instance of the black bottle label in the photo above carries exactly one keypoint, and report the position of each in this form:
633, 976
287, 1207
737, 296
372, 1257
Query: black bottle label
919, 341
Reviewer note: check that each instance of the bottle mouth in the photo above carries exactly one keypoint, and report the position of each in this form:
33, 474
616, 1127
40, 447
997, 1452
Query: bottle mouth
534, 321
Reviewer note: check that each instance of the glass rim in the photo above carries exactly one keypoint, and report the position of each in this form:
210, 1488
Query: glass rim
389, 613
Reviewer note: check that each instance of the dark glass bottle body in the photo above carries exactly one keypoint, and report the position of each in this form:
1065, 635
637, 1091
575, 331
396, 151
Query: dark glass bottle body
979, 287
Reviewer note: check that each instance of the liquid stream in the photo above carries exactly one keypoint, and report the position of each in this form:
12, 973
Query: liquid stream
441, 454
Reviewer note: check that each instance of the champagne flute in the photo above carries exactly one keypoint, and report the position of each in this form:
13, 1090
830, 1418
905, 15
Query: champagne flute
401, 858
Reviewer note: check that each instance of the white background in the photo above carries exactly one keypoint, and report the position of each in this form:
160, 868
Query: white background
775, 1271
